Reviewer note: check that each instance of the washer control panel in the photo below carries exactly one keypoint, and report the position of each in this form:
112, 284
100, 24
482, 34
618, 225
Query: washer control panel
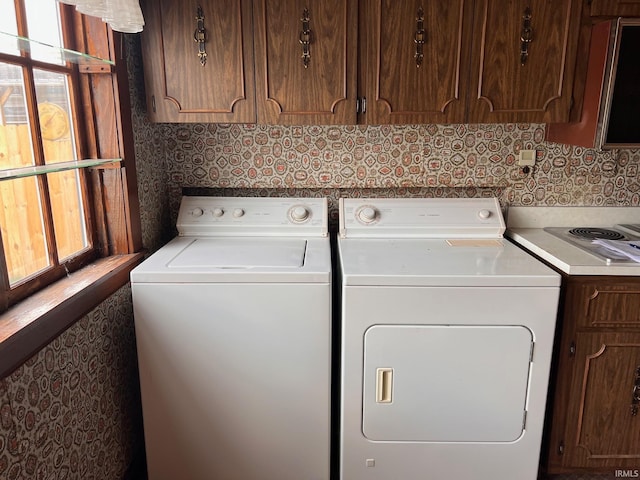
268, 216
421, 217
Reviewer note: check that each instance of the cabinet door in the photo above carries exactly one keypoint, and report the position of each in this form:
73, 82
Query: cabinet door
414, 60
615, 8
517, 81
602, 428
179, 87
306, 61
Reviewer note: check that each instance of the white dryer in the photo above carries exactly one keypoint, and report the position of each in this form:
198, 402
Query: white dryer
233, 331
447, 334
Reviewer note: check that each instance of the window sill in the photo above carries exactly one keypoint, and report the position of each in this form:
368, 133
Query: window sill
33, 323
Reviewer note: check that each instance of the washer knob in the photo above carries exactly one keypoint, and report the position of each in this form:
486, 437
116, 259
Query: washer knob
299, 213
238, 212
197, 212
218, 212
367, 214
484, 214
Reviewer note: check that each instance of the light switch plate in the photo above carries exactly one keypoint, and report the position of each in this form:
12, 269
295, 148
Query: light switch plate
527, 158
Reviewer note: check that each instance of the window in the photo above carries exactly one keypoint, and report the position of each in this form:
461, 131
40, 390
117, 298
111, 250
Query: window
55, 113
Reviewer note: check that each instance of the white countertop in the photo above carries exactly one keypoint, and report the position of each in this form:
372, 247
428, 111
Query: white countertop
525, 227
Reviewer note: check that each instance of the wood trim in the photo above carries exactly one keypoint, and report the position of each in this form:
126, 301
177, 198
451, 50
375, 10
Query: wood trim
33, 323
4, 279
583, 133
127, 146
583, 392
615, 8
101, 240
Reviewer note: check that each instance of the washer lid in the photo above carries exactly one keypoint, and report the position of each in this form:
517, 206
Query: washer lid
241, 253
238, 259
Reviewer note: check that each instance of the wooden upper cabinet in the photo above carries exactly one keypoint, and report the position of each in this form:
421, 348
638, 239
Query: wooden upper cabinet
296, 62
414, 60
298, 84
518, 81
179, 88
615, 8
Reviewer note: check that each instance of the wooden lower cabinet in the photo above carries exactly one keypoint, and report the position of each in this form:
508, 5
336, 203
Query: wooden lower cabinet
594, 416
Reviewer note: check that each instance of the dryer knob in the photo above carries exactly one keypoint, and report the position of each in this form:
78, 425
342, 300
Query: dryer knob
299, 213
218, 212
197, 212
367, 214
238, 212
484, 214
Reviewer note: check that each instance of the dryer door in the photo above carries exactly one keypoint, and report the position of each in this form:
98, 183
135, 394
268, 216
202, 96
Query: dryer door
445, 383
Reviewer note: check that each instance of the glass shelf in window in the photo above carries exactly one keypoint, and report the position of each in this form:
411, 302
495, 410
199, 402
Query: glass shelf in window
13, 173
13, 44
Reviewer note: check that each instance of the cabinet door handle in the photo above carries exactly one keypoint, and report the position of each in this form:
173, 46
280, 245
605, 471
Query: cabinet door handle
200, 36
635, 395
419, 37
526, 36
305, 38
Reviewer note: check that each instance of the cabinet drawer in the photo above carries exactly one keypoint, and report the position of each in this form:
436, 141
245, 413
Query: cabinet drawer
606, 306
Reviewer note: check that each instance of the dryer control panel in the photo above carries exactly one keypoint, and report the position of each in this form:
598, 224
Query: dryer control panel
421, 218
254, 216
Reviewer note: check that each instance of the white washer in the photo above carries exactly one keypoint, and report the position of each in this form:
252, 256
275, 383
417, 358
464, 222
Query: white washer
233, 331
447, 334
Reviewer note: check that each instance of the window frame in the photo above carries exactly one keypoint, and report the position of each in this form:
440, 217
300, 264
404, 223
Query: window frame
56, 268
65, 295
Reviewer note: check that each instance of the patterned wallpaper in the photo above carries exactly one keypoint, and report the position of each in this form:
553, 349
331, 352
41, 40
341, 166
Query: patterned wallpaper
451, 156
411, 160
73, 411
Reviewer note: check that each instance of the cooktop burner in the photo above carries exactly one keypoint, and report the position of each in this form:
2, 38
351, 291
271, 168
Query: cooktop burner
582, 237
592, 233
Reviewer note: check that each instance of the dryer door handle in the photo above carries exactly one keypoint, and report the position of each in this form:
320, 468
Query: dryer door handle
384, 385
